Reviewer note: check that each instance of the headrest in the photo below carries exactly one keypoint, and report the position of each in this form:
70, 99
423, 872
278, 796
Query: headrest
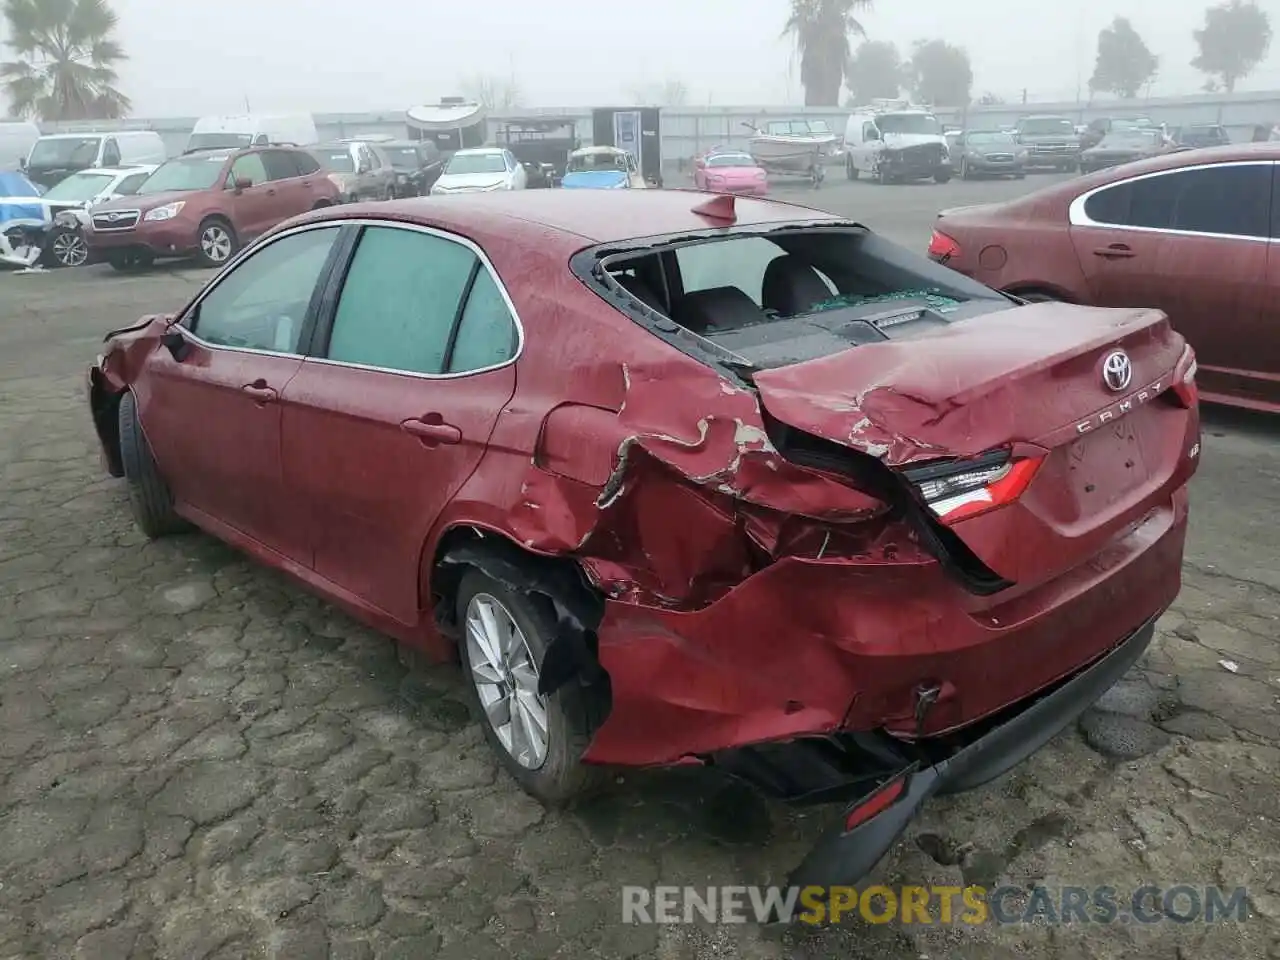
717, 308
791, 286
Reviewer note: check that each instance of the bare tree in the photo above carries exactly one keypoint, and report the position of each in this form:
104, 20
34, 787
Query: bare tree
495, 94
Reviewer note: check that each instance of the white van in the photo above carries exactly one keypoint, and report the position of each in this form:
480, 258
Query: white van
894, 141
17, 137
252, 129
56, 156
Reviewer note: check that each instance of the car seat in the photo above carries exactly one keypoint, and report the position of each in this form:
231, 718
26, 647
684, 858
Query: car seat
717, 308
792, 287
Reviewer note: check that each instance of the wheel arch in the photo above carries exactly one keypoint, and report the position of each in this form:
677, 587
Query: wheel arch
104, 406
559, 583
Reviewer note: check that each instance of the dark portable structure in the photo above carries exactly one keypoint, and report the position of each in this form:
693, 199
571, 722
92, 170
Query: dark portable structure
637, 130
542, 144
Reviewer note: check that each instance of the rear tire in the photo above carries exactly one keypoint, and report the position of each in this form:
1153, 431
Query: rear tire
556, 775
965, 173
942, 176
150, 500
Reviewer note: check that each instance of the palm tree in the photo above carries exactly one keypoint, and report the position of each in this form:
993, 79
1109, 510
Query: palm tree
67, 58
821, 30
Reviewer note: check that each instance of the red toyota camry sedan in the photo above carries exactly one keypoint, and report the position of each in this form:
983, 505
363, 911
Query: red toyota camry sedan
682, 478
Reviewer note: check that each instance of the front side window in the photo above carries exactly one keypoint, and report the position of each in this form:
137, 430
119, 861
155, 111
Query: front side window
111, 154
400, 300
1227, 199
65, 151
249, 167
263, 302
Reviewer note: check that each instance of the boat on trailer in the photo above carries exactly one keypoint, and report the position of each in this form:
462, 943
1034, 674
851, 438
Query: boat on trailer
797, 147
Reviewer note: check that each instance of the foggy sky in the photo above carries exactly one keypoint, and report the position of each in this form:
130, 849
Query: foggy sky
196, 58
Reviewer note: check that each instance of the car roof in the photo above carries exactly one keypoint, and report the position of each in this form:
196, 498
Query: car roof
593, 216
1204, 156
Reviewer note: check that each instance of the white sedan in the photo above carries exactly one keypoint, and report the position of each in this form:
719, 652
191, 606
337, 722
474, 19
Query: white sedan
480, 170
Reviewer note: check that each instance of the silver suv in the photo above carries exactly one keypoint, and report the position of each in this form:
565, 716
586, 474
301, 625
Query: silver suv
360, 170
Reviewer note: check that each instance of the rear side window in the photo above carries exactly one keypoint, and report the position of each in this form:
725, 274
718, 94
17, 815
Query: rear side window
1228, 199
279, 164
486, 334
249, 167
400, 300
307, 164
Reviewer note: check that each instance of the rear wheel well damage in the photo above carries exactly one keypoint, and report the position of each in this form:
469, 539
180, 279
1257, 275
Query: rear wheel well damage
558, 584
104, 406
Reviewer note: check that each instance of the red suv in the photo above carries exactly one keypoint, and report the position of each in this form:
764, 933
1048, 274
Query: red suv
207, 204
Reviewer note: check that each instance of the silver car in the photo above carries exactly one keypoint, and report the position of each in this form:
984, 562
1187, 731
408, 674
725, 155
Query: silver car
359, 169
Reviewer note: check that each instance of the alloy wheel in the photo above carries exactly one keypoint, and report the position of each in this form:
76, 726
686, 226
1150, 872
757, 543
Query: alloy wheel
216, 243
69, 249
506, 680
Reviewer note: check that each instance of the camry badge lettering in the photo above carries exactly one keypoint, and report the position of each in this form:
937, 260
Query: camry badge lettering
1118, 410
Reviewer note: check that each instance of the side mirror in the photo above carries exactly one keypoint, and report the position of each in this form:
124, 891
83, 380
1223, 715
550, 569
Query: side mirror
176, 344
241, 184
22, 163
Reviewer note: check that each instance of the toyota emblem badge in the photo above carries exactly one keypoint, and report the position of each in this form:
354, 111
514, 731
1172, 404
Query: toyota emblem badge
1117, 371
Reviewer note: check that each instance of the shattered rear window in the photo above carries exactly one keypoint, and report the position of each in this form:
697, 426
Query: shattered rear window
772, 298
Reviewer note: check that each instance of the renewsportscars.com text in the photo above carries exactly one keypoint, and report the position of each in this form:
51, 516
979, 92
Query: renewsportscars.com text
972, 905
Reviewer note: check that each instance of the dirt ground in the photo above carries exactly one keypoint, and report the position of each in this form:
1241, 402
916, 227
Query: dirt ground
201, 761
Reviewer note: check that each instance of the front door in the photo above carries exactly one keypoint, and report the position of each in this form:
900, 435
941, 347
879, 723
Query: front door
213, 417
386, 424
868, 148
254, 208
1194, 243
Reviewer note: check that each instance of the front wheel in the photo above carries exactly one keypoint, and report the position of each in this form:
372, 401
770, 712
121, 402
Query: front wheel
850, 170
150, 500
66, 248
538, 739
217, 240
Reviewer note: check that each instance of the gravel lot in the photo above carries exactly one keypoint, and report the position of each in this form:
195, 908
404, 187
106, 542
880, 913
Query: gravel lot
201, 761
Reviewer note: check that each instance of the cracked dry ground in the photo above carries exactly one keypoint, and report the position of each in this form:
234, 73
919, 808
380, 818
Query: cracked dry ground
200, 760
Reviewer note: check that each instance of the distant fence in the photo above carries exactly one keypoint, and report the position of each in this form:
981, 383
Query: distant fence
687, 131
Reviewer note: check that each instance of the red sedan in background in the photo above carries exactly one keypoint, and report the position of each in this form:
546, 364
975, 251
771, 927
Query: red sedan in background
811, 508
1193, 234
730, 172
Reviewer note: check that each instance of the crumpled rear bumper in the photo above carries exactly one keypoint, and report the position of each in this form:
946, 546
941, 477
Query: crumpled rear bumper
811, 648
845, 856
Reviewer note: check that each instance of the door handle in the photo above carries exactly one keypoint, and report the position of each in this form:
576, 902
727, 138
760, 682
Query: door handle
271, 191
432, 430
1116, 251
260, 392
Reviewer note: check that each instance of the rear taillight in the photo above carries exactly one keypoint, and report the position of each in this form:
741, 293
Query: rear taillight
1184, 384
958, 490
943, 248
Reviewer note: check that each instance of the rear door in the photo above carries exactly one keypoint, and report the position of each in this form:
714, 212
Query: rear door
213, 417
392, 416
1193, 242
292, 195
